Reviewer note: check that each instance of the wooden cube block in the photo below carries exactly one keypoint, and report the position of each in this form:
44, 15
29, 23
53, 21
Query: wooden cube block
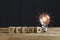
30, 29
24, 29
11, 29
18, 29
39, 29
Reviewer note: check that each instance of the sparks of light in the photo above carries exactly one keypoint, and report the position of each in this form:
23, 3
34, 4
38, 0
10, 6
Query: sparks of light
44, 19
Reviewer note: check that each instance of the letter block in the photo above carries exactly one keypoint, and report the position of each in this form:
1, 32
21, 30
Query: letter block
24, 29
18, 29
11, 29
30, 29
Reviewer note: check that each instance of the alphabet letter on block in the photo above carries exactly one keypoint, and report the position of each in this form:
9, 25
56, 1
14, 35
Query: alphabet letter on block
18, 29
11, 29
30, 29
24, 29
39, 29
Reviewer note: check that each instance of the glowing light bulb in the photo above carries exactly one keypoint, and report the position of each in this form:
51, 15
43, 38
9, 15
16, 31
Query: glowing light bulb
44, 19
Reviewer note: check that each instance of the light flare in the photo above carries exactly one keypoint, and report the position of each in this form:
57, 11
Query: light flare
44, 19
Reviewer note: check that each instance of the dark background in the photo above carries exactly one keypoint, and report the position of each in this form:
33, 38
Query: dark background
25, 12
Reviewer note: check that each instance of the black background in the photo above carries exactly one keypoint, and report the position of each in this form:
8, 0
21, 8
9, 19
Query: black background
25, 12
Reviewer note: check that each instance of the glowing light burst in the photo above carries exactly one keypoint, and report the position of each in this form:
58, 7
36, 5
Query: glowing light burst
44, 18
